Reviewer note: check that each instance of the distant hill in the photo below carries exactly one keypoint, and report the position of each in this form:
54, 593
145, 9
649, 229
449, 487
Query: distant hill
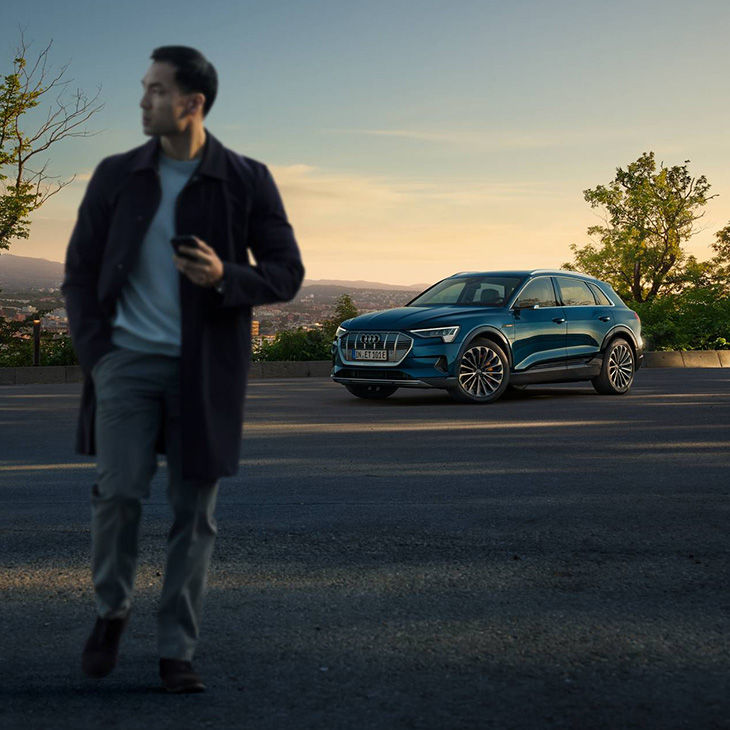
18, 273
360, 284
24, 272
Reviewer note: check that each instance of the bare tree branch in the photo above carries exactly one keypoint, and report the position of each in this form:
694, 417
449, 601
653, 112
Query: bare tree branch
30, 84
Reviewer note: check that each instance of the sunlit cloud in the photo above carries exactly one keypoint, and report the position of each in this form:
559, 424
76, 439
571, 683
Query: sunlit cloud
407, 230
306, 182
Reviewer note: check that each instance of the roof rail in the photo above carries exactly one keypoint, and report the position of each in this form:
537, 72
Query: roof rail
561, 271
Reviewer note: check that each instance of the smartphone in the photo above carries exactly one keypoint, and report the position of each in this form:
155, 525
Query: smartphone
187, 240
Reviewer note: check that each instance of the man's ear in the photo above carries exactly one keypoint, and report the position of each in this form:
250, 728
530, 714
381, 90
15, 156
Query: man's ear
197, 100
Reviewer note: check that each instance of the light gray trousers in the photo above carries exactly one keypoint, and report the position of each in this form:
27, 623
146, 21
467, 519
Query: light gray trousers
137, 395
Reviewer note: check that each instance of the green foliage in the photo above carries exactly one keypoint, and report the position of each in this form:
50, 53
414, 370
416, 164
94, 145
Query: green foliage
344, 309
57, 350
18, 197
649, 214
22, 189
297, 344
684, 304
16, 346
714, 273
697, 318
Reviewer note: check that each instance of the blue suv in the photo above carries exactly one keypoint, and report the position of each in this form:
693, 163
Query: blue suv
478, 333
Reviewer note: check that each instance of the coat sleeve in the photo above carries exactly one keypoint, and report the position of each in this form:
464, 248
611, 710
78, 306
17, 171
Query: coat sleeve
90, 327
278, 272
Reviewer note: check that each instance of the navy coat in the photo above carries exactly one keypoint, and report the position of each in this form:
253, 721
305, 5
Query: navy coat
232, 203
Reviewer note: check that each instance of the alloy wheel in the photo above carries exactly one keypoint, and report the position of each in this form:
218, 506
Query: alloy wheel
620, 366
481, 371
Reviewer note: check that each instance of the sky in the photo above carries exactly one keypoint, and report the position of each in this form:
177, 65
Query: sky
410, 139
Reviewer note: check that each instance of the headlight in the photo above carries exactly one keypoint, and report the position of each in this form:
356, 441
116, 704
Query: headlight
340, 331
447, 334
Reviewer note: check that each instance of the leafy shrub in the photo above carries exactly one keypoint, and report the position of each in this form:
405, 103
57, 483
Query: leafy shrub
695, 319
298, 344
16, 346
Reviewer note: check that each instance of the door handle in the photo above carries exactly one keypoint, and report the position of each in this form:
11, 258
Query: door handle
605, 318
558, 320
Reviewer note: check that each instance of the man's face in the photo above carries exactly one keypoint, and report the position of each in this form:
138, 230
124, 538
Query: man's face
166, 110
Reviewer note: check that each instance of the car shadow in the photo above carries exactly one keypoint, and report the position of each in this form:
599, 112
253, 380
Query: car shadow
404, 398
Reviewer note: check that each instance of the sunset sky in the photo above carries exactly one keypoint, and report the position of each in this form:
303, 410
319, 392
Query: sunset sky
412, 138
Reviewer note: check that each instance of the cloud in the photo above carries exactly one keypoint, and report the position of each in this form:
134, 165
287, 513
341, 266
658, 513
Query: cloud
308, 184
415, 229
331, 192
493, 139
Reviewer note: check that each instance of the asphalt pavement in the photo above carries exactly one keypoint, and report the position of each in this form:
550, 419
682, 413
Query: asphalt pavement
558, 559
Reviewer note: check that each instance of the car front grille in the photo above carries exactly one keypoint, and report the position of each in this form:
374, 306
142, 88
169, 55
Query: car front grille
374, 348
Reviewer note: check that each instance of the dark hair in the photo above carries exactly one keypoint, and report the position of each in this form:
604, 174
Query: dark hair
193, 71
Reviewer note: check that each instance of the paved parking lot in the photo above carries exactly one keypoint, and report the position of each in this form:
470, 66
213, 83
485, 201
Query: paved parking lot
555, 560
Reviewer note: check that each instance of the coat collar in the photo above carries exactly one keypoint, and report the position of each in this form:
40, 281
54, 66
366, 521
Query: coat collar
213, 163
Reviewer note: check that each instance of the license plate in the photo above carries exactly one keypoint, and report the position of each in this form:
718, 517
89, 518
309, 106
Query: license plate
369, 355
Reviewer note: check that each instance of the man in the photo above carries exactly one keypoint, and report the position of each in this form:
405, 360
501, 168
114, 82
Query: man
164, 343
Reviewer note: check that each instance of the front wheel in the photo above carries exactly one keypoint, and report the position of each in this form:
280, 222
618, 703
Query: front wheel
372, 391
482, 373
617, 371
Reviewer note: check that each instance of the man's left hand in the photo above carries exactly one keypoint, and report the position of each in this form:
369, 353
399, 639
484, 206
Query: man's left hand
206, 270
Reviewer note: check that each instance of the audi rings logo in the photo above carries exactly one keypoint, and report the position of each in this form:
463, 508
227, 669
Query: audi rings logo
369, 339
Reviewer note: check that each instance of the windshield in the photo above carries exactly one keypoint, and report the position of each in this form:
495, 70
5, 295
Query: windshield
478, 291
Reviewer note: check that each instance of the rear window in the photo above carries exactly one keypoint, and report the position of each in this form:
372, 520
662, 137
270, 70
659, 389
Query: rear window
601, 298
575, 293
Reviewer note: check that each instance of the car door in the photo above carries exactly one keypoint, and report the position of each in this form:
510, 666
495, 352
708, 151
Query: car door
539, 326
587, 321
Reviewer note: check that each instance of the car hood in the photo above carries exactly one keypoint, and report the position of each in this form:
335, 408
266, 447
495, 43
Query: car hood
404, 318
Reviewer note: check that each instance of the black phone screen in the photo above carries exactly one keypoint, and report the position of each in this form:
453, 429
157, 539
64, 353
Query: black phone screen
189, 241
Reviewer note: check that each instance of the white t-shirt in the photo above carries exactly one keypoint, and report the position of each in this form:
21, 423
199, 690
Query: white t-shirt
147, 318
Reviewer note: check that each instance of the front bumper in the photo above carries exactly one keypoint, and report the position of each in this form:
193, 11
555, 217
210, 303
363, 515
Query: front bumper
426, 363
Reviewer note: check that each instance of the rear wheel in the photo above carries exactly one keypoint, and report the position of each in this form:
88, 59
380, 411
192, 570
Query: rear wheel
617, 371
482, 373
372, 391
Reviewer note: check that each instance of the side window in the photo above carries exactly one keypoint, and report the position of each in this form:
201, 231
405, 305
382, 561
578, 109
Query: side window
575, 293
538, 291
601, 298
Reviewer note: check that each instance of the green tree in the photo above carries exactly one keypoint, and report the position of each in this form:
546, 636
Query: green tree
24, 184
715, 273
344, 309
649, 214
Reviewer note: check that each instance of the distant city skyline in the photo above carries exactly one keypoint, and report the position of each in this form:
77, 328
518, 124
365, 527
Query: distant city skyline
411, 139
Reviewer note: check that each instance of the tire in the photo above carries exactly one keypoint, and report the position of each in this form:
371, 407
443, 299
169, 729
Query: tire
617, 371
372, 392
482, 373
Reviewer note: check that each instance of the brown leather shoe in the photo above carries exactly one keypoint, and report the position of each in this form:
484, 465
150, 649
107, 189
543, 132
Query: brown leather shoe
102, 647
178, 676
